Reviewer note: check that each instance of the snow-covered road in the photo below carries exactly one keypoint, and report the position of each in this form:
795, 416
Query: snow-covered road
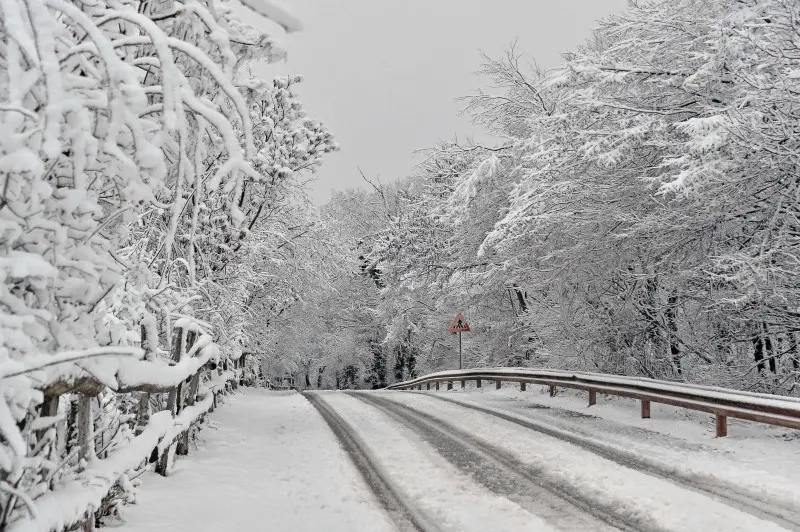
374, 461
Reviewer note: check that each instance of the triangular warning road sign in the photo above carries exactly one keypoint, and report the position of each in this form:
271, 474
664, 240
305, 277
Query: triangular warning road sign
459, 324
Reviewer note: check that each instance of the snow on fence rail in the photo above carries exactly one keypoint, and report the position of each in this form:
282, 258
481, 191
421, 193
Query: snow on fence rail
722, 402
76, 500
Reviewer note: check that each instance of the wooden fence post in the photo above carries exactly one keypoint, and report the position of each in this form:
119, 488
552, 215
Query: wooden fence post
142, 412
86, 444
722, 426
49, 409
179, 399
50, 406
592, 397
178, 347
143, 408
85, 427
183, 443
182, 447
645, 409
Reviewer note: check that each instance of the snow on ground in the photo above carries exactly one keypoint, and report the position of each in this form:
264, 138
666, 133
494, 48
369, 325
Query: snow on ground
668, 506
432, 484
762, 456
270, 464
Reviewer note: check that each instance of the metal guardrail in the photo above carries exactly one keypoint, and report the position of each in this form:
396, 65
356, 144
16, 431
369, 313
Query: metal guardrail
722, 402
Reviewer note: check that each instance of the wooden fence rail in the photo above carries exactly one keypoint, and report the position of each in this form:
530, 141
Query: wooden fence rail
721, 402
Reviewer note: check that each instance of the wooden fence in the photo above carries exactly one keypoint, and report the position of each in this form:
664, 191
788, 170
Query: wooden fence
191, 383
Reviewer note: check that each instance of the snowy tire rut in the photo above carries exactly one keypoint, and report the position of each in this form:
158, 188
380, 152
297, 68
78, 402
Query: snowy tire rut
501, 472
405, 517
442, 495
732, 495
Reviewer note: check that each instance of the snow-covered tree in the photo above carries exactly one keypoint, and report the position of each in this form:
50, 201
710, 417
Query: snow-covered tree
637, 215
136, 156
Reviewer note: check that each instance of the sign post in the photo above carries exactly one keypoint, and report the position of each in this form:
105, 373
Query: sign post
459, 325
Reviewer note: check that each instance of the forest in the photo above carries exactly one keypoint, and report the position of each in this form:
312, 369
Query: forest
636, 214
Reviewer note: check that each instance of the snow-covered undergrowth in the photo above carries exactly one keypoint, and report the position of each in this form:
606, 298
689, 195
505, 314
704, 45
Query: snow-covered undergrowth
138, 163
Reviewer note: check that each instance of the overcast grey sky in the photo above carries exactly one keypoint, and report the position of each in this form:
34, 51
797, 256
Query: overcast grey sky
384, 75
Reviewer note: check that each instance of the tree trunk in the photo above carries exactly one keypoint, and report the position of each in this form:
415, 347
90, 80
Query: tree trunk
672, 324
772, 359
523, 304
399, 362
319, 376
758, 352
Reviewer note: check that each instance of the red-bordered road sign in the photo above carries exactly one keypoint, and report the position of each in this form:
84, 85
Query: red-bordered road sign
459, 324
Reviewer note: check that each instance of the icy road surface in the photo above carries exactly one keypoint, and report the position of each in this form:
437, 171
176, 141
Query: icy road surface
446, 461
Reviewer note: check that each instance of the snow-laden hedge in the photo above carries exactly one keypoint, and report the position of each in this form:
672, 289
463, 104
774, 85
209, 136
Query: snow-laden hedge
136, 161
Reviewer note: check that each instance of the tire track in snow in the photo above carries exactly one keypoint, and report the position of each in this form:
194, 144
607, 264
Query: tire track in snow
722, 491
405, 517
503, 473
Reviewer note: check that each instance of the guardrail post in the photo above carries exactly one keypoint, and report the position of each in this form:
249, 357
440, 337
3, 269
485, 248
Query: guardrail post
449, 385
478, 383
592, 397
522, 386
499, 383
463, 383
552, 390
722, 426
645, 409
428, 386
437, 386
